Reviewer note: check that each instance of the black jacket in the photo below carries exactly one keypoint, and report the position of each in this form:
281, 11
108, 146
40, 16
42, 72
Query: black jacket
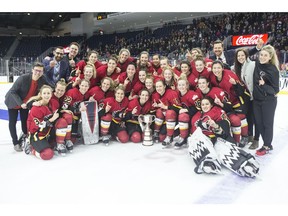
19, 90
270, 75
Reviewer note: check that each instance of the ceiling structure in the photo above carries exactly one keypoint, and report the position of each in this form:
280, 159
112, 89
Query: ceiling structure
38, 21
12, 22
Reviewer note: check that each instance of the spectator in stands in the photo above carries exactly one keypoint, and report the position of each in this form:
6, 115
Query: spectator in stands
56, 68
23, 88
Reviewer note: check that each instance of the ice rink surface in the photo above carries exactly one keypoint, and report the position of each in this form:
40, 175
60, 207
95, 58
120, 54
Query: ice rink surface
131, 179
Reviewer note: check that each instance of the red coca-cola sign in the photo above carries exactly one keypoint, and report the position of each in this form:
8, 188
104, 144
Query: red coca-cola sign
248, 40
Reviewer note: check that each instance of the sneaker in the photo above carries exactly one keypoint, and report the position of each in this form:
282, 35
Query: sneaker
61, 149
263, 150
254, 145
18, 148
167, 141
250, 139
156, 136
105, 139
181, 142
243, 141
69, 145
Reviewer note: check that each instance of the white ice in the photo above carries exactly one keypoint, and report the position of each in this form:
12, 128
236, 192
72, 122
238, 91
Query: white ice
132, 176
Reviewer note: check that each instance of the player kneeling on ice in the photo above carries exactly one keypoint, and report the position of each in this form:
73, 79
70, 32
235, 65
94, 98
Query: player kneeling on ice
71, 107
211, 122
214, 124
39, 123
112, 115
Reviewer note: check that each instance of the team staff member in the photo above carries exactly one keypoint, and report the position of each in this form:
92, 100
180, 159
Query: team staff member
266, 87
23, 88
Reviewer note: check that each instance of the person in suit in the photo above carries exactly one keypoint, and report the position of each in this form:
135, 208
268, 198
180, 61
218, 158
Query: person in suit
227, 57
56, 68
24, 87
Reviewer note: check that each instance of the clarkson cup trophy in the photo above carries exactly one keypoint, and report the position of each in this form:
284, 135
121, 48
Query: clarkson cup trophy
145, 121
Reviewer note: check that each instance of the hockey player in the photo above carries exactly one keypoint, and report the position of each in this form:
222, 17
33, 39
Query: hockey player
230, 83
137, 106
89, 73
108, 70
39, 124
169, 78
212, 120
111, 113
190, 104
185, 68
129, 78
72, 100
139, 85
62, 127
124, 59
166, 103
99, 93
92, 58
200, 68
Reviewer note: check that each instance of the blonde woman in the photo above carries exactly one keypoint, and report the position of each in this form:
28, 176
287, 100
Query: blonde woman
39, 123
266, 86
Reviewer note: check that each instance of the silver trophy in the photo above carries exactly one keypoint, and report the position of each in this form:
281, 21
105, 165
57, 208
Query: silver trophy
145, 121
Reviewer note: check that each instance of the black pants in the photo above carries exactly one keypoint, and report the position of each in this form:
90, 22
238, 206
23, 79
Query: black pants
13, 115
264, 112
251, 122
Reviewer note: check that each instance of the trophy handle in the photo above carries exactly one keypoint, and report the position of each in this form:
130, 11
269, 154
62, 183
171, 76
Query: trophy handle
141, 118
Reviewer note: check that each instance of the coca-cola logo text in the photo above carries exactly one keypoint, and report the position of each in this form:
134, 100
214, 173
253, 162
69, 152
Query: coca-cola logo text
248, 40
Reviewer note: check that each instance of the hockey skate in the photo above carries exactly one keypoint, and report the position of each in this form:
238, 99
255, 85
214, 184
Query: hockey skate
243, 142
180, 143
167, 142
27, 146
106, 139
22, 139
69, 145
61, 149
156, 136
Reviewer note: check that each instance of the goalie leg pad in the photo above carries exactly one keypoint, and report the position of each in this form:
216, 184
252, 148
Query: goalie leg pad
236, 159
202, 151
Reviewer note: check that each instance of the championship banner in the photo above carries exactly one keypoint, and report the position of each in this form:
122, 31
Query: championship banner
248, 40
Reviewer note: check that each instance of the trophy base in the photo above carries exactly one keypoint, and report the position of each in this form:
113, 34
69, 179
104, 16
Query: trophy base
147, 143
